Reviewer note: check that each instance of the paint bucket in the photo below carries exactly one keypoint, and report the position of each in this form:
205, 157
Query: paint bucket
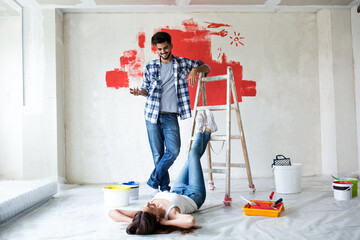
116, 196
354, 182
342, 190
134, 195
288, 178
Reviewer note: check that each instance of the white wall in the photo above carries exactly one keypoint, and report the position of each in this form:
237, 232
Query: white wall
105, 131
31, 137
337, 96
60, 95
10, 98
344, 90
355, 30
40, 111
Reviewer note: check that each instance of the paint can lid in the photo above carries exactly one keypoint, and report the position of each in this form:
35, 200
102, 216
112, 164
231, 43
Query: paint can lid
131, 183
343, 182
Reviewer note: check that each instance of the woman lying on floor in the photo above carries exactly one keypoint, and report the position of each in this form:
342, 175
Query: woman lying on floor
187, 196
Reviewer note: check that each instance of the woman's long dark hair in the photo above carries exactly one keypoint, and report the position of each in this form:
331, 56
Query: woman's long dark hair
143, 223
146, 223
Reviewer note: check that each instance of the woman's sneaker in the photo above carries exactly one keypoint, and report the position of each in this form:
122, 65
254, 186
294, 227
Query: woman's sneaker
210, 121
199, 123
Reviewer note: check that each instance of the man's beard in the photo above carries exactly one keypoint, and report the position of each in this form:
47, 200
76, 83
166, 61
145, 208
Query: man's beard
168, 56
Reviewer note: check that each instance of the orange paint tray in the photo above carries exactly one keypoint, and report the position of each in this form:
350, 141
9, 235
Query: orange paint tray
262, 209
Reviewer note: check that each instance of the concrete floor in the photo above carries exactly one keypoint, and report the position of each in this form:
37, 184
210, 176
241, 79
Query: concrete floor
78, 212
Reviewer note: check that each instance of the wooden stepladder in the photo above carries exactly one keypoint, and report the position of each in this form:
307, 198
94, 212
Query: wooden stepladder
227, 165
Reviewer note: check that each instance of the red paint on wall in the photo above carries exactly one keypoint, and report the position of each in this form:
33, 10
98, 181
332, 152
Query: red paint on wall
117, 79
131, 65
141, 39
216, 25
194, 42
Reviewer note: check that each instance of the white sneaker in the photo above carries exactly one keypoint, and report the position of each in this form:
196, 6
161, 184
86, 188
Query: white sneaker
154, 192
199, 123
210, 121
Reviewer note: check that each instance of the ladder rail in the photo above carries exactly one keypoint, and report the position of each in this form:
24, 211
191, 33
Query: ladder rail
228, 133
241, 130
197, 98
208, 153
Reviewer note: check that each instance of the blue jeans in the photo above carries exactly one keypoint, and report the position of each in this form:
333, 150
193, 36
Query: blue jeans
190, 181
164, 139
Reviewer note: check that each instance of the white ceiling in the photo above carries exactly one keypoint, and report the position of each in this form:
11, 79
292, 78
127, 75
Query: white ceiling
7, 7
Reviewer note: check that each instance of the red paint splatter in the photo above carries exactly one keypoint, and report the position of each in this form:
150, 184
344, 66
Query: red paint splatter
141, 39
236, 39
192, 42
222, 33
216, 25
190, 25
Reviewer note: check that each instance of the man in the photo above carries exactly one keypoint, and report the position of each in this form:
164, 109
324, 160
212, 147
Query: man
165, 86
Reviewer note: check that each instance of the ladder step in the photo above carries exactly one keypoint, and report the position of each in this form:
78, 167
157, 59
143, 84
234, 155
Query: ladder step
214, 78
214, 170
219, 137
218, 164
215, 108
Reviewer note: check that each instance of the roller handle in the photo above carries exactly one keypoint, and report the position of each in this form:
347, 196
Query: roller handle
271, 195
277, 202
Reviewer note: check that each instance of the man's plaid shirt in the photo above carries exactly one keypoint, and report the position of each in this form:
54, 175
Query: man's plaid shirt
152, 84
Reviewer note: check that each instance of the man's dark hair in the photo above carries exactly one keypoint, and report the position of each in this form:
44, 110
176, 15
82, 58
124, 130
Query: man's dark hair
161, 37
143, 223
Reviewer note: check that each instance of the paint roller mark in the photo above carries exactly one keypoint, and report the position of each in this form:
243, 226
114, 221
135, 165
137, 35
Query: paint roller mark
117, 79
194, 42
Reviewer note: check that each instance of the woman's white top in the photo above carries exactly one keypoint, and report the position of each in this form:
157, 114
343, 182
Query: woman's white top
184, 203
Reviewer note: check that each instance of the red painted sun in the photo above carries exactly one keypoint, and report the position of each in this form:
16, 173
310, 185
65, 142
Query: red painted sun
236, 39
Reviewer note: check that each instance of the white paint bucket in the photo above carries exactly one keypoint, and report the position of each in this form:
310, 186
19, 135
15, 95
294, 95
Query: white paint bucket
134, 195
116, 196
288, 178
342, 190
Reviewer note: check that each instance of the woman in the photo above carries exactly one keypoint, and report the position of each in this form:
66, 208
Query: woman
187, 196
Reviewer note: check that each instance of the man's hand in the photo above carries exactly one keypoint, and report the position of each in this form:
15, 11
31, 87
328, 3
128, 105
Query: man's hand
135, 91
192, 77
193, 74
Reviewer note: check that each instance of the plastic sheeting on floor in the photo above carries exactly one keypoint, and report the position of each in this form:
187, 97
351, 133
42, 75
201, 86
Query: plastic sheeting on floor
78, 212
17, 197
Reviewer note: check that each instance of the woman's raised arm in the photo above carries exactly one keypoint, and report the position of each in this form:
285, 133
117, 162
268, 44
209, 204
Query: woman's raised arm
179, 220
119, 215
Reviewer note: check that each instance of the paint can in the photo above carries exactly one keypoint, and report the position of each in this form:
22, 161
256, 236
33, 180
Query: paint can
342, 190
354, 182
134, 195
288, 178
116, 196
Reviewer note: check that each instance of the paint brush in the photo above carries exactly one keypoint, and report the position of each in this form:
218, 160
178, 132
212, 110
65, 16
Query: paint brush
251, 203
